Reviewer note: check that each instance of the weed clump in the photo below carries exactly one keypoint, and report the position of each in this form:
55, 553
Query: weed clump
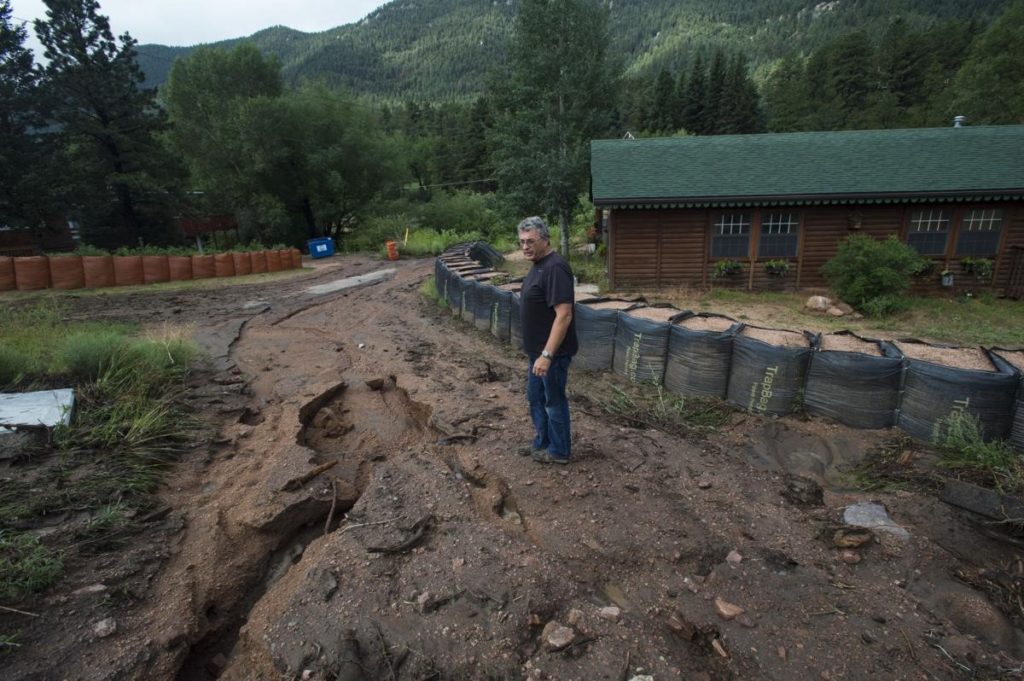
961, 441
26, 566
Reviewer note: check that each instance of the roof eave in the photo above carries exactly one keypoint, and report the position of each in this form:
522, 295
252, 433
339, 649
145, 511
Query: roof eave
803, 199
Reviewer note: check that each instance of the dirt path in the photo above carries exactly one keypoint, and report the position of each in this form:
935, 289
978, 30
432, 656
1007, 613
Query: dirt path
362, 513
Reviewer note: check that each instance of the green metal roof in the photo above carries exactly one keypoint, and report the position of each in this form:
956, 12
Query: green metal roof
858, 166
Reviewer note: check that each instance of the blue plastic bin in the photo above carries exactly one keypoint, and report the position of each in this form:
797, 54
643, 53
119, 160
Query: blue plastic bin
321, 248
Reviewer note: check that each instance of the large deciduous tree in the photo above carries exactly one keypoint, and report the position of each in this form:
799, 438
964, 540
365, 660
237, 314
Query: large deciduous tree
557, 93
118, 172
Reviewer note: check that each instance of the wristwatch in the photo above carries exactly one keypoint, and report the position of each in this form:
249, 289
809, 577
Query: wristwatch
545, 354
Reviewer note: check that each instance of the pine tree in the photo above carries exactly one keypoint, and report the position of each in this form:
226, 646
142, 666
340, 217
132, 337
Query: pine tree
92, 85
715, 107
662, 104
24, 192
742, 115
679, 101
556, 95
990, 88
695, 105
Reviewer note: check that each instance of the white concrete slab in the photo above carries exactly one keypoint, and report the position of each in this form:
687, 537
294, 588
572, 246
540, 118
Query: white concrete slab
47, 408
350, 282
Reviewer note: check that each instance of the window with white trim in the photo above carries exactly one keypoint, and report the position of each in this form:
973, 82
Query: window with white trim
780, 233
980, 231
929, 230
730, 237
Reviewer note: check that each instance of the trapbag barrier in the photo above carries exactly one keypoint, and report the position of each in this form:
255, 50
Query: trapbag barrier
1015, 358
467, 310
501, 315
595, 330
515, 327
641, 346
766, 378
856, 389
932, 392
698, 362
482, 306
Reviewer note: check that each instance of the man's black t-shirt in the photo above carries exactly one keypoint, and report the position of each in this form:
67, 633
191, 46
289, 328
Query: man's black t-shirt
548, 283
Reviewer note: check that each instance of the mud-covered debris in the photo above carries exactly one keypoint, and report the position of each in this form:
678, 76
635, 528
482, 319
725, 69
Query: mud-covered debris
91, 589
328, 584
727, 610
719, 648
298, 482
104, 628
555, 636
642, 677
703, 483
852, 537
575, 617
416, 534
849, 556
734, 558
678, 623
801, 491
375, 383
610, 613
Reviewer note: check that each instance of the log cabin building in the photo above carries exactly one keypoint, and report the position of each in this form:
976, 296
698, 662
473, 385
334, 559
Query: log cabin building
679, 211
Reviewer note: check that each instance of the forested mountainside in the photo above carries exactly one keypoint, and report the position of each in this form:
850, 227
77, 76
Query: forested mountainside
444, 49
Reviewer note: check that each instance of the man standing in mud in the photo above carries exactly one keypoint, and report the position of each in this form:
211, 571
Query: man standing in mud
549, 339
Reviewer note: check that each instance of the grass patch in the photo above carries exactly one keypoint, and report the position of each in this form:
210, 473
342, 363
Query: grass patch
428, 289
964, 450
26, 566
653, 406
131, 423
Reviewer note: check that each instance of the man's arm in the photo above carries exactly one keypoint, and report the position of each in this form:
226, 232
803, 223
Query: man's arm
560, 327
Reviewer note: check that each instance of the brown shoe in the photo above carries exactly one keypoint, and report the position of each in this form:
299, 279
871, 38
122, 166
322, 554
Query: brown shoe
543, 456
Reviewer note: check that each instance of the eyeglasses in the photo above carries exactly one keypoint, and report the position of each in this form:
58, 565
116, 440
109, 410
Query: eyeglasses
528, 242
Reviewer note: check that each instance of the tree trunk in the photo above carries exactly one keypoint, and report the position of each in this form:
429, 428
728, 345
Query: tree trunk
564, 219
307, 213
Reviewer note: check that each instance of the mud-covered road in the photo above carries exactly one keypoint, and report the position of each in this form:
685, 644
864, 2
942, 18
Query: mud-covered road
359, 511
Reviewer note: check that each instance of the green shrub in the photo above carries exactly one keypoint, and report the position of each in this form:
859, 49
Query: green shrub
26, 566
87, 354
86, 249
866, 270
961, 440
14, 365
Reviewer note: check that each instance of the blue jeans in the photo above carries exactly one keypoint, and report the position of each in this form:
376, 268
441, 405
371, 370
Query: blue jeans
549, 407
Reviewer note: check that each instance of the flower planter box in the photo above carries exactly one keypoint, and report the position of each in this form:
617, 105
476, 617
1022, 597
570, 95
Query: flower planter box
179, 267
98, 271
203, 267
32, 273
66, 272
128, 270
7, 282
223, 265
154, 269
243, 263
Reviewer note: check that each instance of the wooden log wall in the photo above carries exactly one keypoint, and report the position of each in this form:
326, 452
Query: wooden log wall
652, 249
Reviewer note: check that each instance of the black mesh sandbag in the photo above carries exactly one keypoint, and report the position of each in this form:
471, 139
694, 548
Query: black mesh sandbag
595, 329
766, 378
482, 307
698, 361
856, 389
455, 287
1017, 425
515, 325
483, 252
641, 346
501, 315
468, 308
932, 392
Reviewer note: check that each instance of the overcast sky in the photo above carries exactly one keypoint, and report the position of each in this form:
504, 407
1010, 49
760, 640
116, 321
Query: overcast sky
188, 22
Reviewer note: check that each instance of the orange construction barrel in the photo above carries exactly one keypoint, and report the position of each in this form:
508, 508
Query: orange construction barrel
392, 250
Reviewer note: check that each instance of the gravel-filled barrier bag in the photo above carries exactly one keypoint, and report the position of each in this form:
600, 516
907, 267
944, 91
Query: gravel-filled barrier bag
641, 343
455, 286
482, 306
501, 314
941, 380
515, 324
1015, 358
768, 369
700, 355
596, 323
468, 308
851, 380
483, 252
